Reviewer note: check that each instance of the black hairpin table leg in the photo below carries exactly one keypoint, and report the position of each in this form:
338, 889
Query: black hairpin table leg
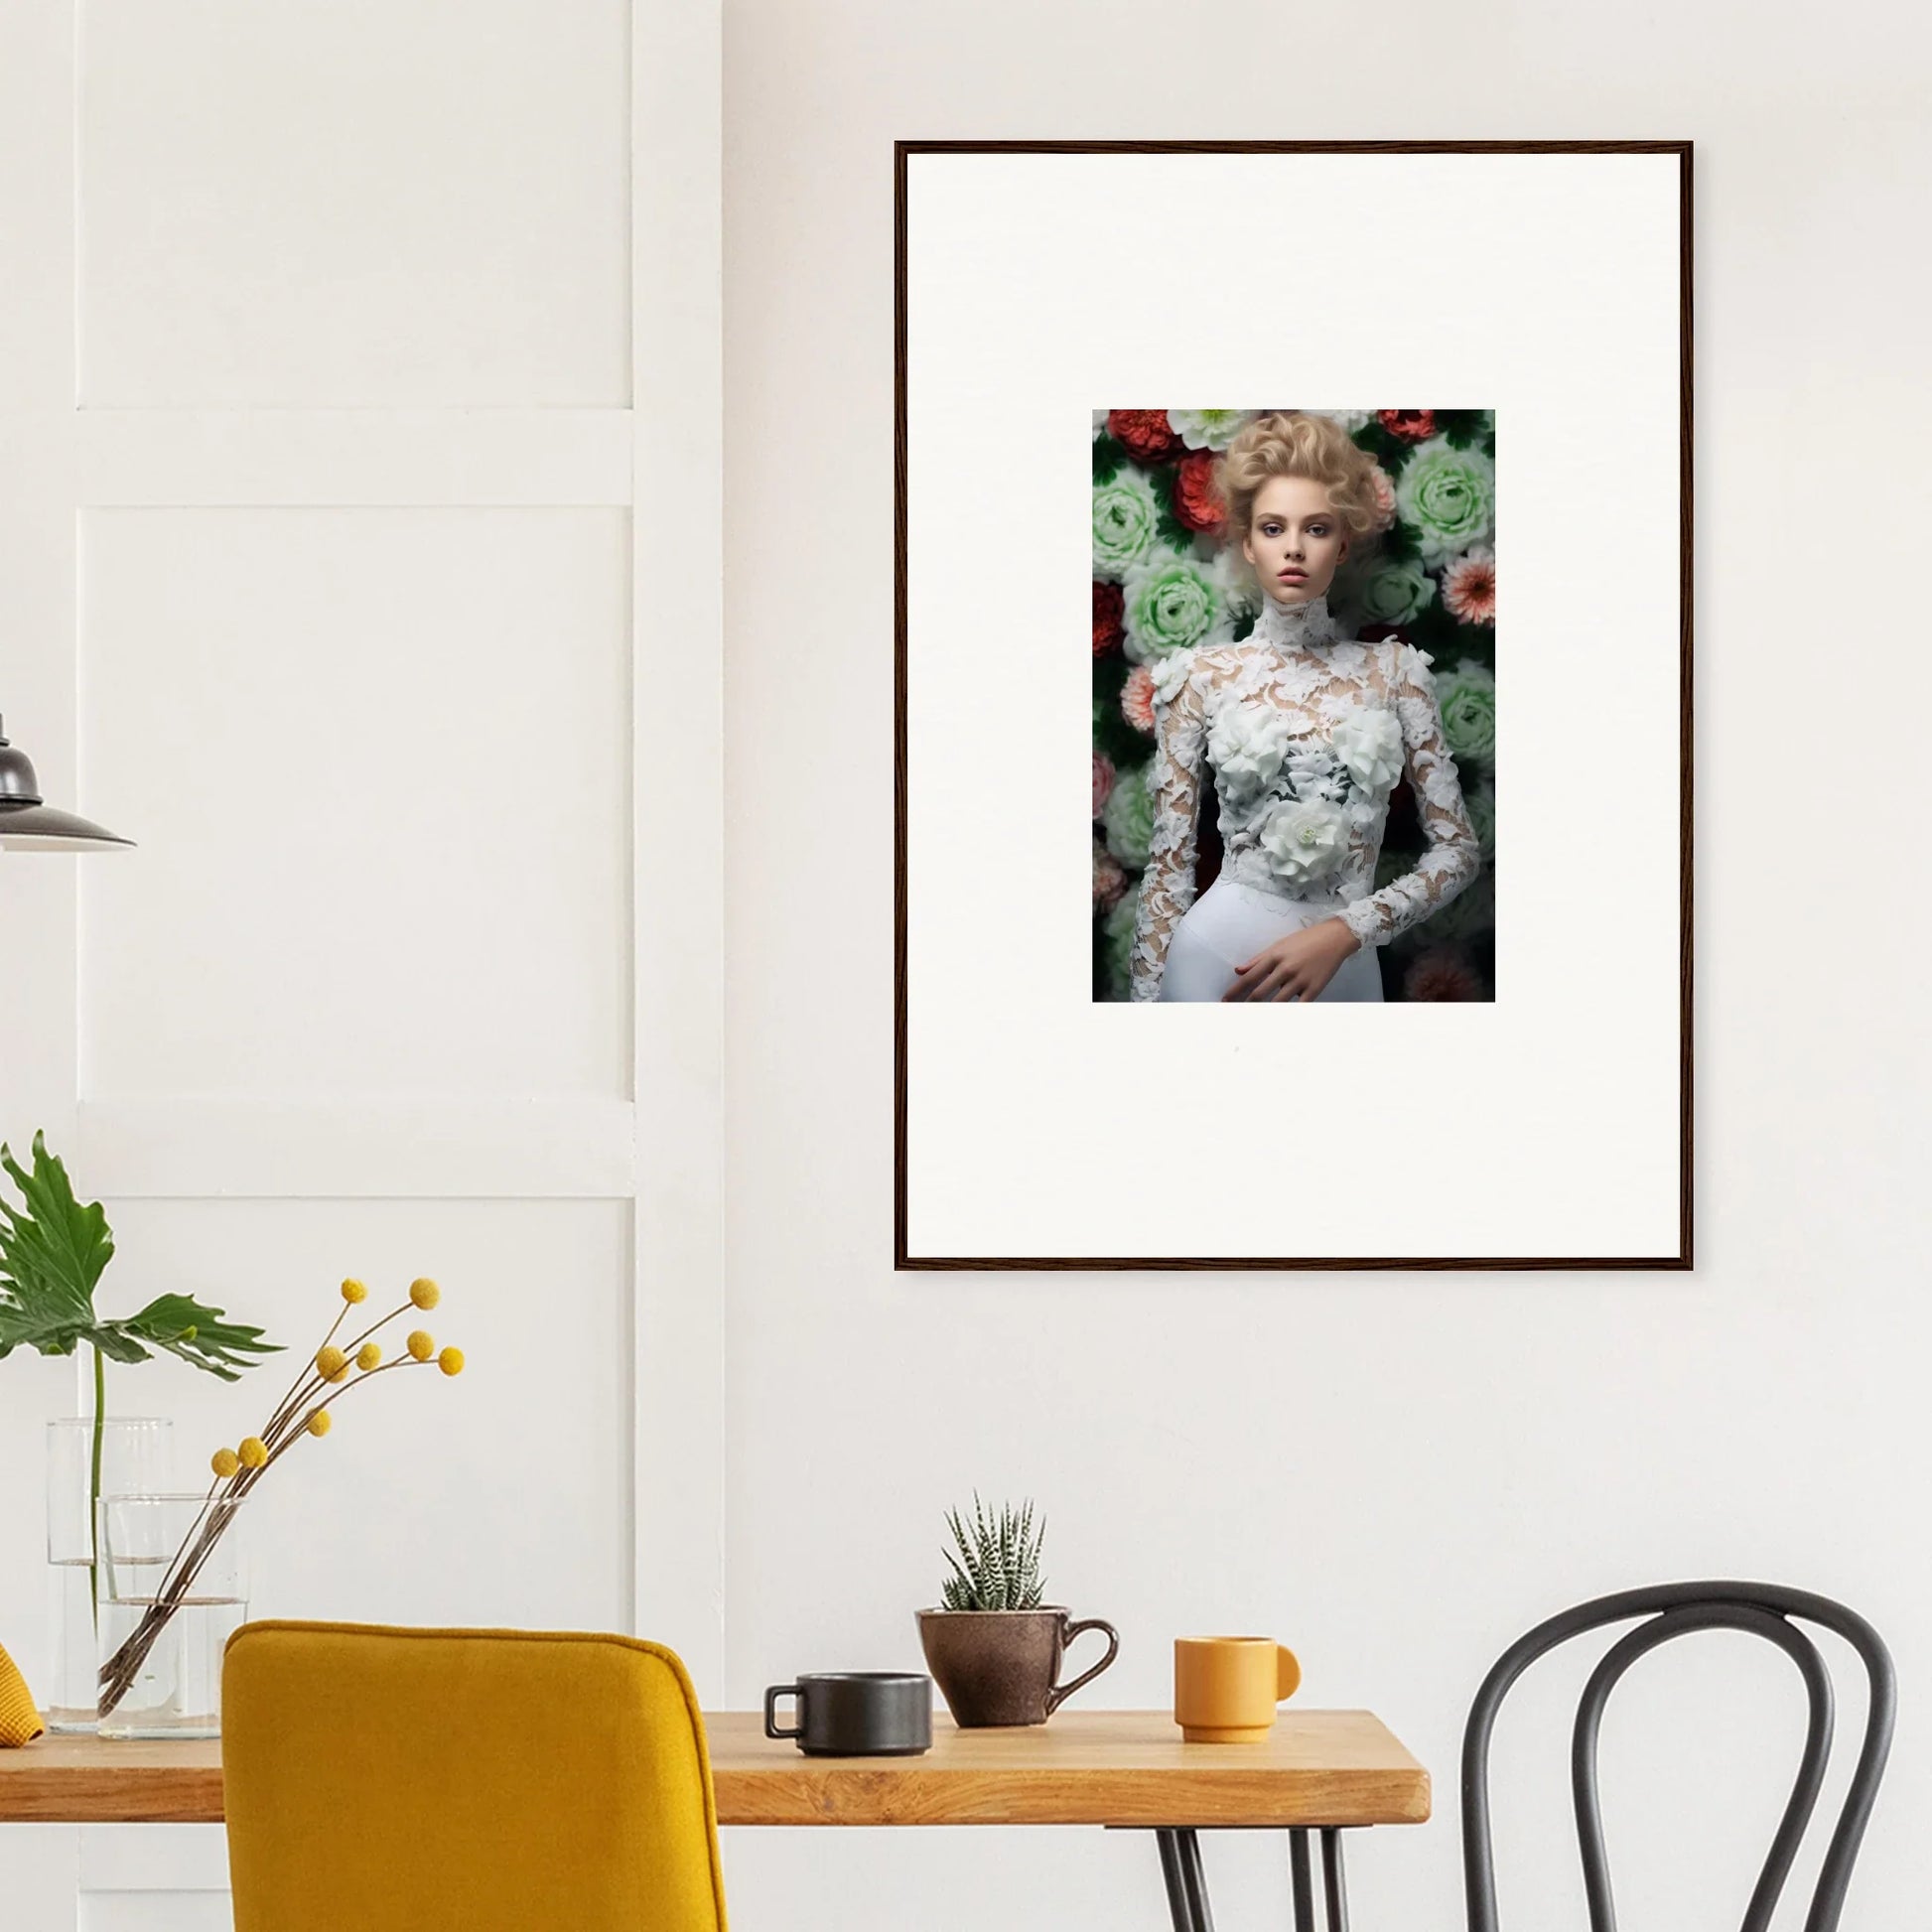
1180, 1866
1333, 1882
1303, 1879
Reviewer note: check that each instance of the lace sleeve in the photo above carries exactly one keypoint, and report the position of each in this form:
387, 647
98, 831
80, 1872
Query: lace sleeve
1452, 858
1175, 782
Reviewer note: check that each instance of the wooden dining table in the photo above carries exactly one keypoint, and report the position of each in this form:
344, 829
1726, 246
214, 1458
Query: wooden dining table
1319, 1774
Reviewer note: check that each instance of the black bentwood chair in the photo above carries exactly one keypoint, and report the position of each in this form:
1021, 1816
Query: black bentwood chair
1761, 1609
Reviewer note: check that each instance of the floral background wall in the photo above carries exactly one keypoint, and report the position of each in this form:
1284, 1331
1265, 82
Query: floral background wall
1162, 583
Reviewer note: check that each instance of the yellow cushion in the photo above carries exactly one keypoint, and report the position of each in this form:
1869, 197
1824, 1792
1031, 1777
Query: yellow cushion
20, 1721
400, 1780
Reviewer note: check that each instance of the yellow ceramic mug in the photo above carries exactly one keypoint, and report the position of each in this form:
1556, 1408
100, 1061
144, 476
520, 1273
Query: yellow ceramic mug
1225, 1688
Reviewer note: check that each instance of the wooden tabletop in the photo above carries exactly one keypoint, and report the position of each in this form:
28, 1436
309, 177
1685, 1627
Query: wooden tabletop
1085, 1768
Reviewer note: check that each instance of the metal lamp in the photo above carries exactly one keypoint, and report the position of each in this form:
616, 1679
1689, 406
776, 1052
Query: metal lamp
28, 824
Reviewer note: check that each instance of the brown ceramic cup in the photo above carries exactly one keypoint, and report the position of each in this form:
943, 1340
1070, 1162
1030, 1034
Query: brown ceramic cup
1002, 1667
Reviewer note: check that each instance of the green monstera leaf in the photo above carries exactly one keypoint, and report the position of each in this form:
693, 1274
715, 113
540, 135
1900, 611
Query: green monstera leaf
54, 1250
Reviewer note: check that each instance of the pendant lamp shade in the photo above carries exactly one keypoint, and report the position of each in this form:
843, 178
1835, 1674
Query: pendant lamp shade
28, 824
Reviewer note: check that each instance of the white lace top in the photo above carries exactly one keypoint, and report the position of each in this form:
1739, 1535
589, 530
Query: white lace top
1307, 733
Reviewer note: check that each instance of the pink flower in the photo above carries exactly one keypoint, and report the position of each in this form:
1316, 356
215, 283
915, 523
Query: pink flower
1470, 586
1103, 780
1137, 698
1109, 878
1442, 973
1384, 487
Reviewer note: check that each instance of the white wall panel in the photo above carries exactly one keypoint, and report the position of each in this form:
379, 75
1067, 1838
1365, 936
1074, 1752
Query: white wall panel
354, 203
154, 1911
318, 575
193, 458
378, 761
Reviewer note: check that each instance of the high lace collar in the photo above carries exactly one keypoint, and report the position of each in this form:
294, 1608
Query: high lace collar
1297, 626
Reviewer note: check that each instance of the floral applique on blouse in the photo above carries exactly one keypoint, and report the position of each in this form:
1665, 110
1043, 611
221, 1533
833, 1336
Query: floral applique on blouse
1307, 734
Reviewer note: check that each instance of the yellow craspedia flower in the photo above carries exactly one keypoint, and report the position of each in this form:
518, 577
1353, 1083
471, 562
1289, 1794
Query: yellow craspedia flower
353, 1292
451, 1361
329, 1362
422, 1344
320, 1422
225, 1462
424, 1292
369, 1356
254, 1452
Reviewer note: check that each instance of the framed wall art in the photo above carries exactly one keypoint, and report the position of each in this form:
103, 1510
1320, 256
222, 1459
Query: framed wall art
1386, 955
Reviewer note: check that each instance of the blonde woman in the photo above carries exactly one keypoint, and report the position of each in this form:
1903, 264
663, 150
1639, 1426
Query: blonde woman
1307, 733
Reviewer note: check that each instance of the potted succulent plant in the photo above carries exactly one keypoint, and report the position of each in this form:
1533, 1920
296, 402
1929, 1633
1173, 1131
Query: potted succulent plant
993, 1645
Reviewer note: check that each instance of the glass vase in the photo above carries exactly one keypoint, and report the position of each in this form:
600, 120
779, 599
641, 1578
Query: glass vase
134, 1455
173, 1591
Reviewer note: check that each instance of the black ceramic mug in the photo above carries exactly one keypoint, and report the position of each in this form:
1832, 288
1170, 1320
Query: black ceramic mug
856, 1712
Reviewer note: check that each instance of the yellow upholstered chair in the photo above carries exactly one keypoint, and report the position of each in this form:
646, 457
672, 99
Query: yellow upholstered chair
398, 1780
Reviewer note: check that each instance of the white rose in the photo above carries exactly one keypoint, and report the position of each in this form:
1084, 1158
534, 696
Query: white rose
1369, 742
1246, 747
1304, 840
1168, 674
1208, 429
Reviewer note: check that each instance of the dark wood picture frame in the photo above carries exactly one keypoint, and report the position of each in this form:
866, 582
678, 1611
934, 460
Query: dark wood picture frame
903, 1259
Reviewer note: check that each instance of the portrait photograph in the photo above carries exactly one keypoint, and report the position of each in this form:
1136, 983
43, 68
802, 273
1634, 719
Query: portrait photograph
1308, 706
1294, 704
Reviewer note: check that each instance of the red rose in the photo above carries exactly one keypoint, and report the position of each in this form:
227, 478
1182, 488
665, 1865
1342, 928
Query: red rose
1109, 610
1412, 425
1147, 433
1196, 501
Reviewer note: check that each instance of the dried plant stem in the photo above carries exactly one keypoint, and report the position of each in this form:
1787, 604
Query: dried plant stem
289, 1422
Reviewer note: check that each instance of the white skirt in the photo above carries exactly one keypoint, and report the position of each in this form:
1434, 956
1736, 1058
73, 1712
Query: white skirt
1230, 922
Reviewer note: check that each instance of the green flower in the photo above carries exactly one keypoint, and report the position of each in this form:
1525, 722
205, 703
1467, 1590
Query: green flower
1117, 945
1128, 818
1395, 591
1468, 702
1125, 513
1174, 602
1447, 496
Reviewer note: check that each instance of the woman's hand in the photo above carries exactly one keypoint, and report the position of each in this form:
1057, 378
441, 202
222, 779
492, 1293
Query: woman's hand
1296, 966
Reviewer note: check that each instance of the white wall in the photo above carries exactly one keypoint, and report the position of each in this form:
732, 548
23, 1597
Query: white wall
1396, 1474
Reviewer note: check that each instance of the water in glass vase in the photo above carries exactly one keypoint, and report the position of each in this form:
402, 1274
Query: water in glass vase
177, 1689
70, 1618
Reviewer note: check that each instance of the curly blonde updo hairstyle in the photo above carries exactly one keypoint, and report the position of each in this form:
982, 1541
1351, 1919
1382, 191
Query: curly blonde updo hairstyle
1288, 443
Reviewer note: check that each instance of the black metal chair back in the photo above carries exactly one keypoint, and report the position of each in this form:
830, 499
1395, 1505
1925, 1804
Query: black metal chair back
1760, 1609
